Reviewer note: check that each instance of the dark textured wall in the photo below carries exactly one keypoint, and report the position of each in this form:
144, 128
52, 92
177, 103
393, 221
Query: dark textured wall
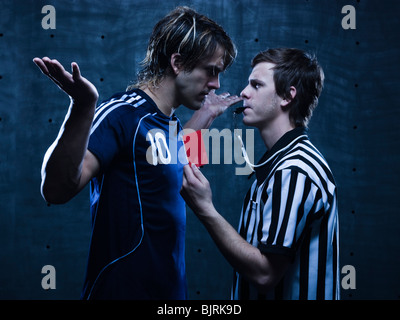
355, 126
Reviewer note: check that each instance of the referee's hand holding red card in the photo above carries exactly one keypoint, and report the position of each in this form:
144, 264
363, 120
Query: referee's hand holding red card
196, 191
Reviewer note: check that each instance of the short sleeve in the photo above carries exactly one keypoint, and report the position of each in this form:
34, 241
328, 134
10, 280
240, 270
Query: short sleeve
109, 135
290, 201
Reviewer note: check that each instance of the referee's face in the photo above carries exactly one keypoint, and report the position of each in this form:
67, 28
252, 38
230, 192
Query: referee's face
262, 104
193, 86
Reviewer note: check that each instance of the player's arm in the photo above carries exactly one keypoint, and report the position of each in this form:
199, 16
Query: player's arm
213, 106
68, 166
264, 271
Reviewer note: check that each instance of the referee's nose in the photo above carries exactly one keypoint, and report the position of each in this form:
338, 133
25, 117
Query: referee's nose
244, 94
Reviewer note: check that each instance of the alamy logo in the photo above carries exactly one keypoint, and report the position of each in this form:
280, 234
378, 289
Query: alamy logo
49, 280
49, 20
349, 278
201, 148
349, 20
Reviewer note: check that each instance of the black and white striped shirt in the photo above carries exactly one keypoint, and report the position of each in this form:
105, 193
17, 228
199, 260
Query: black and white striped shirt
291, 209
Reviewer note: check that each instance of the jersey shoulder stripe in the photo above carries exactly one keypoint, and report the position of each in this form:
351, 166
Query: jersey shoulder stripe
104, 109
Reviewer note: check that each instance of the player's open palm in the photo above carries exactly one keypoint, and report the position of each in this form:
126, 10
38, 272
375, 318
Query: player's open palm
219, 103
81, 90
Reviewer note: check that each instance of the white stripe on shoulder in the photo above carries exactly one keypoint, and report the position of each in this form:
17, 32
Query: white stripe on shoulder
105, 109
125, 98
98, 121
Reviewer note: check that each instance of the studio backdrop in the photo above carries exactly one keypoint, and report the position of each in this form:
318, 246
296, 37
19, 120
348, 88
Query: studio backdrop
43, 248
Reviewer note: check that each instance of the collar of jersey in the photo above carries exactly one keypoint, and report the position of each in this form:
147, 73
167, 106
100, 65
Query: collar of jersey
281, 144
154, 105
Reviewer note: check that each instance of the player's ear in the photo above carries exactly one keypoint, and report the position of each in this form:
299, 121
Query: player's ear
286, 101
176, 63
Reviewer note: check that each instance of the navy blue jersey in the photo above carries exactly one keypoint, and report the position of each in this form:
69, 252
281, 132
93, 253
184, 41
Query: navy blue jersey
137, 246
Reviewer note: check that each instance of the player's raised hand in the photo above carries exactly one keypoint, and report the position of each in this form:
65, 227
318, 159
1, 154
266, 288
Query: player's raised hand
213, 106
81, 90
217, 104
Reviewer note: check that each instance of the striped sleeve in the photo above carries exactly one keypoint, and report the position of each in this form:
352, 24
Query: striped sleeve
290, 199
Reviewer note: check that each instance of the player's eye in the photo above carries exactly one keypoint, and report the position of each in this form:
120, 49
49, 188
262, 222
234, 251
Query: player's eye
211, 72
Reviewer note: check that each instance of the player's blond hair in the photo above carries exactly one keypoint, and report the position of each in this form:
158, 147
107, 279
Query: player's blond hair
194, 36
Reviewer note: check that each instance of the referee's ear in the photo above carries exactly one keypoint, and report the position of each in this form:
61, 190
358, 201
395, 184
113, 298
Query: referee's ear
286, 101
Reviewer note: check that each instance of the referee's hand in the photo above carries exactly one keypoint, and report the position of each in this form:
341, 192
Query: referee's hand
81, 90
196, 191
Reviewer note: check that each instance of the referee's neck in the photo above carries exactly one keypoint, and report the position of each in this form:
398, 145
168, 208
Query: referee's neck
273, 132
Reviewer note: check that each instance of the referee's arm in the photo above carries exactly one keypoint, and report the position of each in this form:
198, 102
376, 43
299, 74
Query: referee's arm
264, 271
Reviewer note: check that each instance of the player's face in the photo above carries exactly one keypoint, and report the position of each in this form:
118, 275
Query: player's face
262, 104
193, 86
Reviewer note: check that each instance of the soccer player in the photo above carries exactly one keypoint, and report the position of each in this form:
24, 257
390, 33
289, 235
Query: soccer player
286, 246
130, 150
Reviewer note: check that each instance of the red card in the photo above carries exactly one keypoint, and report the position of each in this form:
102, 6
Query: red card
195, 148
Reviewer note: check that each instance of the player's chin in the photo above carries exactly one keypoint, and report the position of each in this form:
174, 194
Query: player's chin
194, 105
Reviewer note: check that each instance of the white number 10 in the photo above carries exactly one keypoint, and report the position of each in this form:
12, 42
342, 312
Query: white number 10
158, 149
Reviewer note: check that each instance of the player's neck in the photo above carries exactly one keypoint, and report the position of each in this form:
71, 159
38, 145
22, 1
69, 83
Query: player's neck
164, 97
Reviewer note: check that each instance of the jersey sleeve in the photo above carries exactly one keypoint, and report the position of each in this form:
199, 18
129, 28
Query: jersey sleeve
292, 202
110, 134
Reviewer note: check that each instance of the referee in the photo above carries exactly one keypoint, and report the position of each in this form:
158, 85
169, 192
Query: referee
286, 246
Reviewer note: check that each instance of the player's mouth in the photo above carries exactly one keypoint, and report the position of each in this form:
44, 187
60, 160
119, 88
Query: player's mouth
202, 95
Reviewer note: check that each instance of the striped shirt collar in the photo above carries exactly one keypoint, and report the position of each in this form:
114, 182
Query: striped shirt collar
277, 148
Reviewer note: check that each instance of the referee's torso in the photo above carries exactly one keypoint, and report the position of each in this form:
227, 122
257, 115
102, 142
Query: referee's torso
291, 209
